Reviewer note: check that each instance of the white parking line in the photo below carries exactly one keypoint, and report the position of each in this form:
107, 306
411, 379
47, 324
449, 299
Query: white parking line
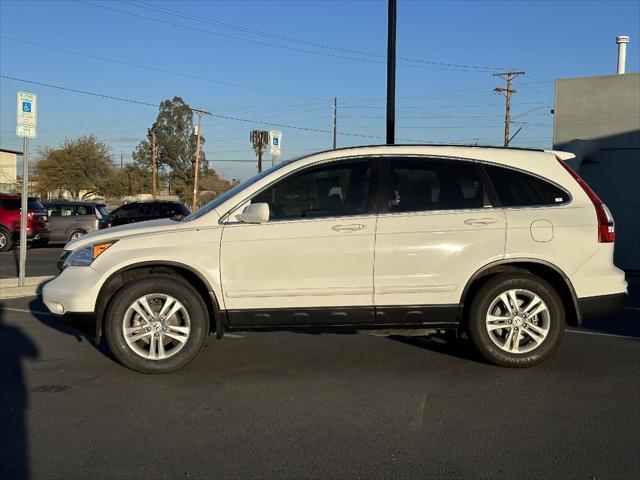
632, 308
233, 335
585, 332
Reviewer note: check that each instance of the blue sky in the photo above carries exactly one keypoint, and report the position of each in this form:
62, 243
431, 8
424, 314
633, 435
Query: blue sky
247, 69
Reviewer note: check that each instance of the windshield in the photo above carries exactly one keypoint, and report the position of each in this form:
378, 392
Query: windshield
213, 204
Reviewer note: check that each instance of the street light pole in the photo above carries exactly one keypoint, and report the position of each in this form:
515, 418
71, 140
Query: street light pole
391, 73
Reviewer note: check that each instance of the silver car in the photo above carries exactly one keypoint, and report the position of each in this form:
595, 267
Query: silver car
69, 220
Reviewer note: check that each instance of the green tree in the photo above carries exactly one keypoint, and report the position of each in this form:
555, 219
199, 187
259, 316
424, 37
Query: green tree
176, 146
212, 185
79, 166
129, 180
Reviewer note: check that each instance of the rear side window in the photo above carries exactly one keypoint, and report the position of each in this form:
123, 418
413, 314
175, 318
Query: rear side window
433, 184
84, 210
518, 189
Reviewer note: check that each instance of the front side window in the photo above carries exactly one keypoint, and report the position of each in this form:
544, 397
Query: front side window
334, 190
518, 189
434, 184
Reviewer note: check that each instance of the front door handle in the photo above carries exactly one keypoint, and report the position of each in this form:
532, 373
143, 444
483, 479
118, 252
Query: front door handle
348, 228
481, 221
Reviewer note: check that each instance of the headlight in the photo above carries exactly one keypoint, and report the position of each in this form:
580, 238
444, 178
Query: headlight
84, 256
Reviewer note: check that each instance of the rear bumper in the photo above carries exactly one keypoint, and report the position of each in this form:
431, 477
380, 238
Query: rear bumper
601, 305
38, 236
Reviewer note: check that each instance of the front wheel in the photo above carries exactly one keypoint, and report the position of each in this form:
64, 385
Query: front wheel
516, 320
156, 325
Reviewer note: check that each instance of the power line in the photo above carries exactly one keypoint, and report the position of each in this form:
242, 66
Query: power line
414, 63
253, 31
226, 117
160, 70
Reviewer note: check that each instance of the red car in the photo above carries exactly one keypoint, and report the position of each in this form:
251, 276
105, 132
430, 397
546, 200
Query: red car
37, 221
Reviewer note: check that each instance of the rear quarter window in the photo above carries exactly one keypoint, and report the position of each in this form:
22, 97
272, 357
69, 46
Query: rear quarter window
519, 189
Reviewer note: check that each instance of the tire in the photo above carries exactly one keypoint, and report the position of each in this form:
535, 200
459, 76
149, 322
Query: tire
192, 320
6, 239
529, 336
76, 234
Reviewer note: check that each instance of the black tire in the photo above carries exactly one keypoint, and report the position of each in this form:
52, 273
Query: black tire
7, 239
134, 290
480, 308
81, 232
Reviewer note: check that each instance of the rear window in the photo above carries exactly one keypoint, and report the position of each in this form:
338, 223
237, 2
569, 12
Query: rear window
518, 189
102, 211
181, 209
14, 204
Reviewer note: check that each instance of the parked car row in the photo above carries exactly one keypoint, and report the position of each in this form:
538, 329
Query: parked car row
61, 221
37, 221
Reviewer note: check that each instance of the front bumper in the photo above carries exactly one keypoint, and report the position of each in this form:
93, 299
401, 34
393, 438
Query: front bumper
601, 305
75, 290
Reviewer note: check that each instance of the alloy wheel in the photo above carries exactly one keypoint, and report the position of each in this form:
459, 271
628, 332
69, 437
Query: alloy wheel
518, 321
156, 326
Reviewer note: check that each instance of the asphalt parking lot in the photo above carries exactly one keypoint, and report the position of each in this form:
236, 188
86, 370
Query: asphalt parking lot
295, 405
40, 261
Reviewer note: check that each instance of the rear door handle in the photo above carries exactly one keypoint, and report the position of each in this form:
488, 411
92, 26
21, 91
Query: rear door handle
481, 221
348, 228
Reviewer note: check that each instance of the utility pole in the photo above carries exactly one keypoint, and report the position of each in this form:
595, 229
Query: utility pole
196, 172
335, 120
391, 73
121, 161
154, 167
508, 76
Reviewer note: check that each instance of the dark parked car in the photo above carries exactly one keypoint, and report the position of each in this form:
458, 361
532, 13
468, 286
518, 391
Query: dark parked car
141, 211
37, 221
70, 220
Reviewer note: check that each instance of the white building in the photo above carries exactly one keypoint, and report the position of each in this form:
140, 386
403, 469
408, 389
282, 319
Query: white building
8, 170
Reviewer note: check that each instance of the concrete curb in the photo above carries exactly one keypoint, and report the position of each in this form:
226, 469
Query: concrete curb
32, 286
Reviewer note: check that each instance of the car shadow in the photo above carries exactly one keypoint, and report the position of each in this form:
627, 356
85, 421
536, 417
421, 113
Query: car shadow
455, 347
81, 327
15, 346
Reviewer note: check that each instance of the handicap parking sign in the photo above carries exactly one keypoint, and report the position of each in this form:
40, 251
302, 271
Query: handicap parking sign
26, 107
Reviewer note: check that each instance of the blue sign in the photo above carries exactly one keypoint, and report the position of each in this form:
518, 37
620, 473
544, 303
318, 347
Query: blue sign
275, 140
26, 107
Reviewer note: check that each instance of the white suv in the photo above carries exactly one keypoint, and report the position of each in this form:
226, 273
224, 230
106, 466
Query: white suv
505, 244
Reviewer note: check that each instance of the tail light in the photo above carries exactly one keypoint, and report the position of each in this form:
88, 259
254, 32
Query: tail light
606, 228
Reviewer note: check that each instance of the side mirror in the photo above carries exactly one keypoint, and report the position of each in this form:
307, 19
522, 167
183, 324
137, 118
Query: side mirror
255, 213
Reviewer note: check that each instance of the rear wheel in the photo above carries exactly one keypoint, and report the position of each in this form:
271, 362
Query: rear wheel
6, 240
156, 325
516, 320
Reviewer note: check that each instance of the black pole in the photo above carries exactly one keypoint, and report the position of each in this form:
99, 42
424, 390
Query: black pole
391, 74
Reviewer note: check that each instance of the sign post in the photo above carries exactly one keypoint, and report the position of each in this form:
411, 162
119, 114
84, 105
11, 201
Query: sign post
275, 145
26, 121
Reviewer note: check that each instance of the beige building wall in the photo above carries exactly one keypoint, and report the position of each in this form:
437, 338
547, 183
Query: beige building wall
8, 162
